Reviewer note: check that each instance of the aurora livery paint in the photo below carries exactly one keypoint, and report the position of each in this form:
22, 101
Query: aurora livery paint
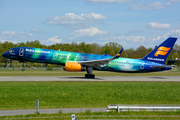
73, 61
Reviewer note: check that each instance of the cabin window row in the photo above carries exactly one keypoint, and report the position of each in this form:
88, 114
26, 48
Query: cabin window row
38, 53
124, 63
83, 58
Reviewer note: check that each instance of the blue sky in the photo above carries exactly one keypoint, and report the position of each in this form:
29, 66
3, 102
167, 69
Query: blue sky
130, 23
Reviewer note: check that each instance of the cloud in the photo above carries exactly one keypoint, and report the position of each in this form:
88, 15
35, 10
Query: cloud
72, 20
172, 33
174, 0
89, 32
55, 39
93, 34
107, 1
150, 6
158, 38
13, 36
135, 39
176, 32
135, 31
158, 25
118, 38
14, 33
37, 31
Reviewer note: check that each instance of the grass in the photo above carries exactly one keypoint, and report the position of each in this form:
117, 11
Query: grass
23, 95
60, 72
102, 115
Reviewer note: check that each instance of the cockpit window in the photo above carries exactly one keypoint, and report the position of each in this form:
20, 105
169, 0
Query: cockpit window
11, 50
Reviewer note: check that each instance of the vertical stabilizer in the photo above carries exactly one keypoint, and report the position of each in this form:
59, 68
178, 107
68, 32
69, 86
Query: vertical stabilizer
160, 53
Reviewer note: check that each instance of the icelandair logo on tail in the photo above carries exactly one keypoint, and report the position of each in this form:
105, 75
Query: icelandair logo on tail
162, 51
118, 54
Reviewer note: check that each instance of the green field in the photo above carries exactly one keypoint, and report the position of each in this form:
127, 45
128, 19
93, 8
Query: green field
23, 95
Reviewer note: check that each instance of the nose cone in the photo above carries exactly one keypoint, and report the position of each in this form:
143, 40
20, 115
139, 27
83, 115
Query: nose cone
5, 55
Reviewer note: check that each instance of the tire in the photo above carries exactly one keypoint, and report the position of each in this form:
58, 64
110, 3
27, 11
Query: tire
22, 69
89, 76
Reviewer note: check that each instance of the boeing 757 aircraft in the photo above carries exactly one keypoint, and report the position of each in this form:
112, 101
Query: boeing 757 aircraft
73, 61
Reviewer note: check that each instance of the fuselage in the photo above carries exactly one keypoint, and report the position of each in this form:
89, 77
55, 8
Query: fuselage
61, 57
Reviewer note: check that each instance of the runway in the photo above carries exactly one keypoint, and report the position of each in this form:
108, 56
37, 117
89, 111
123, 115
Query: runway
48, 111
98, 78
63, 110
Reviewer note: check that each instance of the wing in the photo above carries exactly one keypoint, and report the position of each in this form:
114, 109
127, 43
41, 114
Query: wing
97, 63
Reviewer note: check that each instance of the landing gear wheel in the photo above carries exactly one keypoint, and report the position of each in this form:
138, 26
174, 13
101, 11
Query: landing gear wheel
86, 75
92, 76
22, 66
89, 76
22, 69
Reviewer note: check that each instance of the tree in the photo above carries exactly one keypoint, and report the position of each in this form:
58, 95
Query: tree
129, 53
111, 48
140, 52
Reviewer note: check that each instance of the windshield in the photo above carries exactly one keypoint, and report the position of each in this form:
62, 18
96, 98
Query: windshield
11, 51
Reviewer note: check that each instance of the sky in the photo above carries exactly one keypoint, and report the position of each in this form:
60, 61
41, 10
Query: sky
130, 23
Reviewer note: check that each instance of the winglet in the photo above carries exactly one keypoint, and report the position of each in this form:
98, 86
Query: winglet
118, 54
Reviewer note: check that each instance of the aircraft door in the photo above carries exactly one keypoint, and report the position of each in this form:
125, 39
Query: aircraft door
55, 55
21, 52
142, 66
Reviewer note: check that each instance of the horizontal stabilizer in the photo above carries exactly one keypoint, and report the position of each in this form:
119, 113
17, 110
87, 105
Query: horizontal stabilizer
163, 66
106, 55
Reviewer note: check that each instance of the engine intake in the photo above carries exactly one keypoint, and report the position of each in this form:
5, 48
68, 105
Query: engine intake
74, 67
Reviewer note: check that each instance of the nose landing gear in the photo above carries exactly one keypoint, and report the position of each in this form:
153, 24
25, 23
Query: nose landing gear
22, 66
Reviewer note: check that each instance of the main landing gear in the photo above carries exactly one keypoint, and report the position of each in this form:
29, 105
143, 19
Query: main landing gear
89, 76
22, 66
89, 73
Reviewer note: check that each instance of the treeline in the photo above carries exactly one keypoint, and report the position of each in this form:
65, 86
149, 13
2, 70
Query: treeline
110, 48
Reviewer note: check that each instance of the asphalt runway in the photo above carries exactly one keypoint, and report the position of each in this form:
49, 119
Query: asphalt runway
98, 78
48, 111
64, 110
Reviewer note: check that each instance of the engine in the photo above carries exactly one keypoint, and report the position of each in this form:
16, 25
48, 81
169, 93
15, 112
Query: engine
73, 66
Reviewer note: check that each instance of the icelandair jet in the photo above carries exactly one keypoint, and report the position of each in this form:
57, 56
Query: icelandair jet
73, 61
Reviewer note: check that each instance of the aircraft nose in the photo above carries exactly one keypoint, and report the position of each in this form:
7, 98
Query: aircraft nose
5, 55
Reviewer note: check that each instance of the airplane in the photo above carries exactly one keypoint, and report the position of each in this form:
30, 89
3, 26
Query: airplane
74, 61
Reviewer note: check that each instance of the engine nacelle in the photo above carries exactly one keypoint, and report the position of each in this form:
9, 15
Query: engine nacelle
73, 66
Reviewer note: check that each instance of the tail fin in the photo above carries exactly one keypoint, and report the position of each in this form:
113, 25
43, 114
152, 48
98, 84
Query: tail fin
160, 53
